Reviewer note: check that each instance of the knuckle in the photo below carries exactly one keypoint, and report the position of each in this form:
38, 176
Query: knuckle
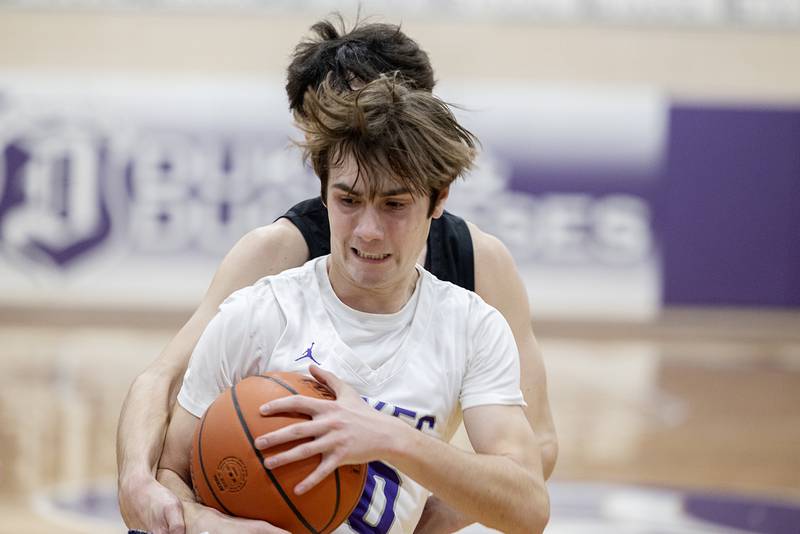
342, 441
327, 466
337, 424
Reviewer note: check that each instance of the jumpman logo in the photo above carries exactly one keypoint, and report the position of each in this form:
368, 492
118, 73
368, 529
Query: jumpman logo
307, 354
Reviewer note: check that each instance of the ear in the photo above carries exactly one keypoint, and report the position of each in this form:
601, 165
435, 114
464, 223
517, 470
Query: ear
438, 209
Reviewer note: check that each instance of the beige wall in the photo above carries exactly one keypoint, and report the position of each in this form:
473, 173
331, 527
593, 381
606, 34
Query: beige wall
689, 63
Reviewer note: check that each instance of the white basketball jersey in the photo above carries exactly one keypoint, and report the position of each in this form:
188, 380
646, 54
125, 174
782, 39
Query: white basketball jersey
456, 352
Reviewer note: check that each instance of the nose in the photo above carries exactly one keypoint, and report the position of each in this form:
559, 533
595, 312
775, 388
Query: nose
369, 226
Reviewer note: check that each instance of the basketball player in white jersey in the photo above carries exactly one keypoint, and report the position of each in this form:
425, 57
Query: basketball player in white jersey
424, 353
457, 251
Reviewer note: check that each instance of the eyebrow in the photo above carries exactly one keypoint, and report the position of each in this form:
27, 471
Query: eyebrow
390, 193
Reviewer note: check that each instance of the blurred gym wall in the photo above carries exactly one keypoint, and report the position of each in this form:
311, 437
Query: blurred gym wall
636, 155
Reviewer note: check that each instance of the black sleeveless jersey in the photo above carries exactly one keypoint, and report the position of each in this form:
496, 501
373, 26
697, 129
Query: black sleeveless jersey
449, 255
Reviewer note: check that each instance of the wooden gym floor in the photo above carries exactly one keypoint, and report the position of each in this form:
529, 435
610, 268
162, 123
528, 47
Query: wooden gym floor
705, 400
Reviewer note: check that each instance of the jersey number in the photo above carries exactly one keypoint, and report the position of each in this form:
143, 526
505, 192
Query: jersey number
374, 513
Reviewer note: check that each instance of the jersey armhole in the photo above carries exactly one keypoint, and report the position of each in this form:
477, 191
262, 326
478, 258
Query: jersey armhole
310, 217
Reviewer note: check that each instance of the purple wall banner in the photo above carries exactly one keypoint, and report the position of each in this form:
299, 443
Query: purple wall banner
730, 207
612, 200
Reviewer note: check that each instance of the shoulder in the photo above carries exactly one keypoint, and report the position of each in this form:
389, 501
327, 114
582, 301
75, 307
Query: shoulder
301, 275
310, 218
284, 289
249, 300
493, 261
257, 312
497, 279
280, 240
260, 252
490, 253
455, 301
265, 287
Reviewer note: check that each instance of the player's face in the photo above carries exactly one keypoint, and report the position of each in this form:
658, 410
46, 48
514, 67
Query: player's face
375, 239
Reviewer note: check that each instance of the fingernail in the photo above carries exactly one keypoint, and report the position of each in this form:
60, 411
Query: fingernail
264, 409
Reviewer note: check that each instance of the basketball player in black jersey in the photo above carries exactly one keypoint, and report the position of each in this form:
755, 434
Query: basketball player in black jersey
456, 251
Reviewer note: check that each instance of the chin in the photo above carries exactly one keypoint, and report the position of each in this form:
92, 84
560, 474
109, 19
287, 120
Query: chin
368, 281
369, 278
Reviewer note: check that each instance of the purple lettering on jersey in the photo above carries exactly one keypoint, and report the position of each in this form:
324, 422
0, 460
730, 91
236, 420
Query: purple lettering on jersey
419, 422
391, 488
402, 411
429, 420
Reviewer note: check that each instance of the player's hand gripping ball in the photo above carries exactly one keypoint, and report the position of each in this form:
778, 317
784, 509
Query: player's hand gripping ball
228, 471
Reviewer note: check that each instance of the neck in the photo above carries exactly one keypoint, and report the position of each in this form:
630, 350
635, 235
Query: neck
381, 299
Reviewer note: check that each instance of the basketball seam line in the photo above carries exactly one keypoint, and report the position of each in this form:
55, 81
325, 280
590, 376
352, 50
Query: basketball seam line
281, 383
335, 472
269, 473
203, 465
336, 504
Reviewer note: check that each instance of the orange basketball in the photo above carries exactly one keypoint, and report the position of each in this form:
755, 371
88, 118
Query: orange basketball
228, 471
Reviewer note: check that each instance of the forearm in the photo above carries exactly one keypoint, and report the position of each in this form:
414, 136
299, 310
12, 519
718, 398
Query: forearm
192, 509
176, 484
146, 410
143, 423
533, 382
499, 492
174, 465
541, 422
500, 486
145, 504
438, 517
548, 445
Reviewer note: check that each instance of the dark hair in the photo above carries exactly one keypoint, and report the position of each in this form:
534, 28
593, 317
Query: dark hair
359, 55
390, 130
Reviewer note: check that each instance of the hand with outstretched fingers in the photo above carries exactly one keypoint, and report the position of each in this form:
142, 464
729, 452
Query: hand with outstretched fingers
344, 431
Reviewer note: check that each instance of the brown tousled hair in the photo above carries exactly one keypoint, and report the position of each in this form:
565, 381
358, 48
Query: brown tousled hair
351, 58
408, 135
